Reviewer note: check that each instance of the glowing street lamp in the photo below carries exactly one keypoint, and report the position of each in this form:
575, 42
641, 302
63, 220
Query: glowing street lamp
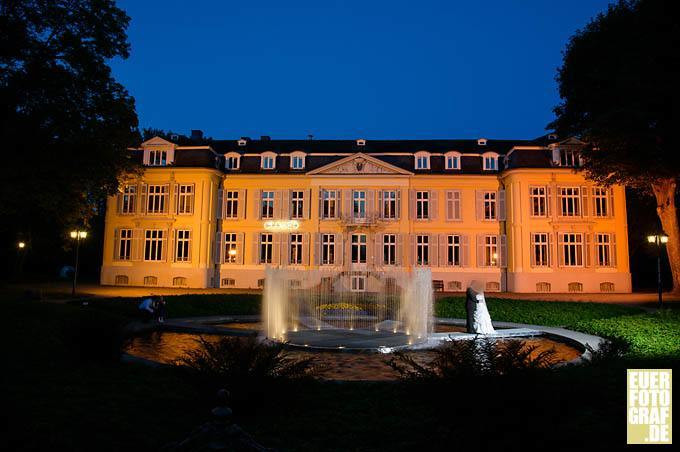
77, 236
21, 245
658, 240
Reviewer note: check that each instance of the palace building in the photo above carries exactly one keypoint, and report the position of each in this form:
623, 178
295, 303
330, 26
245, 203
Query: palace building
515, 214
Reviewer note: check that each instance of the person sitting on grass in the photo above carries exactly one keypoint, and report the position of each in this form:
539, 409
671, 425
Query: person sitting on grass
146, 308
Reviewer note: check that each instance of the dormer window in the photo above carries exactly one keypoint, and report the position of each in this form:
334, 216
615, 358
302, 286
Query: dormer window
452, 160
422, 160
569, 157
481, 142
490, 160
241, 142
268, 161
158, 157
361, 142
232, 161
297, 160
552, 136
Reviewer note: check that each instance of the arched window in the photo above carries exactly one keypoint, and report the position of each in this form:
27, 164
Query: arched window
422, 160
297, 160
232, 161
179, 281
268, 161
452, 160
490, 160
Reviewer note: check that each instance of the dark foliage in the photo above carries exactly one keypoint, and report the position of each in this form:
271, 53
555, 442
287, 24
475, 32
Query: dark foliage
475, 358
610, 350
91, 336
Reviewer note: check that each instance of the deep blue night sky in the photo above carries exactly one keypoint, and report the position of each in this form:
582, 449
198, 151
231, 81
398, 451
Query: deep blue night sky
371, 69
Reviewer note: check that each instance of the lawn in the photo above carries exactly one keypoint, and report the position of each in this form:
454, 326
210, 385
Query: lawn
65, 392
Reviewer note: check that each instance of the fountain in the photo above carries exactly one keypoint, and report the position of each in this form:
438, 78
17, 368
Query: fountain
348, 309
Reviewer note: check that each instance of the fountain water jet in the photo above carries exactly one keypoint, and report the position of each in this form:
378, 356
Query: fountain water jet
347, 309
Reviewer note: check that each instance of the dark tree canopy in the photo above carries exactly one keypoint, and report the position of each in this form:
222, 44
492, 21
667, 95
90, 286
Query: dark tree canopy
65, 121
619, 89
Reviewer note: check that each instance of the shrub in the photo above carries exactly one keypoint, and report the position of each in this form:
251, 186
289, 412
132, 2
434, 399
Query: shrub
475, 358
93, 336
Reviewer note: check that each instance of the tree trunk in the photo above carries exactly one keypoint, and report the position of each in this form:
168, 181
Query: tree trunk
664, 191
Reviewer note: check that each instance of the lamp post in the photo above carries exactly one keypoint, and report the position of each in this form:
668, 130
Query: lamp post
658, 240
77, 236
21, 250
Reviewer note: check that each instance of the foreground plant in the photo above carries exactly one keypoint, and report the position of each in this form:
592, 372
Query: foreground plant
473, 358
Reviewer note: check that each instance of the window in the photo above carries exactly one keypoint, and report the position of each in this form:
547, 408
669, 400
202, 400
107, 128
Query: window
179, 281
297, 160
153, 244
268, 161
359, 208
122, 280
571, 245
296, 249
267, 209
124, 245
569, 157
539, 249
543, 286
297, 204
158, 157
260, 283
607, 287
330, 204
327, 249
453, 250
183, 246
157, 199
575, 287
539, 201
601, 201
455, 286
490, 251
422, 250
490, 205
389, 204
603, 242
422, 160
452, 161
266, 248
228, 282
490, 162
358, 248
230, 248
389, 249
150, 281
185, 200
570, 201
493, 286
422, 205
358, 283
128, 199
453, 207
231, 204
232, 161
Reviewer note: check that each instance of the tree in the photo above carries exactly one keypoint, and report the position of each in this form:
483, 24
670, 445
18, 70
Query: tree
618, 85
65, 122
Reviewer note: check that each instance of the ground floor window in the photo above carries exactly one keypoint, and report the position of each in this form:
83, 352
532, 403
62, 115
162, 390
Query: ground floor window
150, 281
358, 283
179, 281
422, 250
153, 244
358, 248
183, 246
389, 249
266, 248
327, 249
604, 250
490, 251
124, 244
230, 248
296, 249
539, 249
453, 250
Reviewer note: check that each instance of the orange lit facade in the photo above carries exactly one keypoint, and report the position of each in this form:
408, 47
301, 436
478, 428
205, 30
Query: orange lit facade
515, 214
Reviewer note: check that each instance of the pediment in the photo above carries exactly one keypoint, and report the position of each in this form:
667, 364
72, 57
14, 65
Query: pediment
158, 141
571, 141
360, 164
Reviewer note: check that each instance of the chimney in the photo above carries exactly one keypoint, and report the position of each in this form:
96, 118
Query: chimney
197, 135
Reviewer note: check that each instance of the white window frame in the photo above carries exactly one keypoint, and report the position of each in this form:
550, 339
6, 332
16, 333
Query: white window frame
604, 249
268, 161
232, 161
422, 160
267, 204
540, 249
538, 200
231, 204
389, 251
453, 250
153, 245
452, 160
230, 243
389, 204
359, 204
185, 199
327, 249
358, 283
423, 250
182, 245
572, 246
423, 205
297, 160
490, 161
329, 202
158, 157
569, 157
124, 252
295, 249
129, 199
359, 247
490, 205
266, 251
601, 207
297, 204
157, 198
490, 258
570, 201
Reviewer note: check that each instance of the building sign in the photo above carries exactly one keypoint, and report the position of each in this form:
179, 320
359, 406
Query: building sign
281, 225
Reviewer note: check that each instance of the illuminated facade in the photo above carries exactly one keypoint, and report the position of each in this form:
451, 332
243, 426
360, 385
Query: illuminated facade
515, 214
